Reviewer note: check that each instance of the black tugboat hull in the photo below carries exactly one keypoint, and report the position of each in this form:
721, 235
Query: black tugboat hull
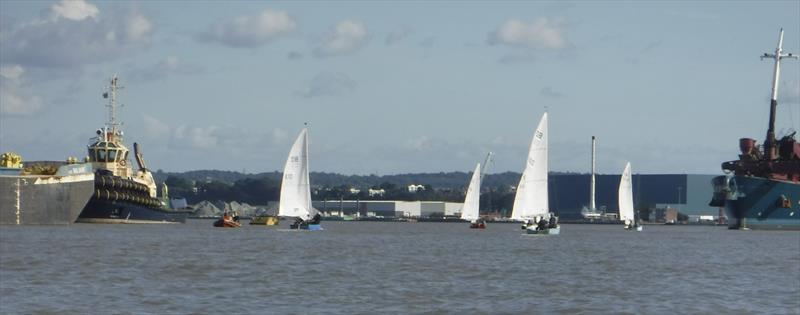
108, 211
761, 204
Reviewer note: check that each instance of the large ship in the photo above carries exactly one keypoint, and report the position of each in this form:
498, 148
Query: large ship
762, 188
44, 192
122, 195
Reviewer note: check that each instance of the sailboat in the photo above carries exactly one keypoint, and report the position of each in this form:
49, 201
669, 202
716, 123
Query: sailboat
295, 199
626, 213
590, 213
531, 200
470, 211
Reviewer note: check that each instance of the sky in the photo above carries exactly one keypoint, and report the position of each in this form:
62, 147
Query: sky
391, 87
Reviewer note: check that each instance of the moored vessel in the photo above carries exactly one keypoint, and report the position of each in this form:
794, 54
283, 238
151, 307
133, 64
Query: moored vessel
762, 189
43, 192
122, 195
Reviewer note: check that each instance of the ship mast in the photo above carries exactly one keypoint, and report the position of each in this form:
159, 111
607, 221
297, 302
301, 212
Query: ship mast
591, 189
111, 95
770, 151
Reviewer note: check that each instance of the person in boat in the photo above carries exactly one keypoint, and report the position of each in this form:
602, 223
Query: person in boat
297, 222
542, 224
553, 222
316, 219
235, 216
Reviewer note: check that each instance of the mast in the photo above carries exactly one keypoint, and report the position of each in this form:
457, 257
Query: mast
111, 95
591, 189
486, 164
770, 151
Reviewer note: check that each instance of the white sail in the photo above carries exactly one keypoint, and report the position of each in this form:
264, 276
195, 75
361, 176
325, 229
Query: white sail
531, 198
626, 195
470, 211
295, 200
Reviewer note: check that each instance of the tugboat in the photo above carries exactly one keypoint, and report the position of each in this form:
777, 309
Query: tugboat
121, 194
762, 190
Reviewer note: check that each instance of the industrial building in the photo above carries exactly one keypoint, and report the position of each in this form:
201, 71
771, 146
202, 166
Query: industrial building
569, 193
388, 208
687, 193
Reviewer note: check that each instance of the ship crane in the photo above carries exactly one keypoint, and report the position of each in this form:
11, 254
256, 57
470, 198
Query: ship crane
770, 151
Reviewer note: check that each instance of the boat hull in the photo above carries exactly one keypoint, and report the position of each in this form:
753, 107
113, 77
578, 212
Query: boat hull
637, 228
311, 227
548, 231
477, 226
109, 211
305, 226
264, 220
44, 200
758, 203
227, 223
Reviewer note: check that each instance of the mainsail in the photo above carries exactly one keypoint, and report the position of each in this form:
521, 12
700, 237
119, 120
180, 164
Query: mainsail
470, 211
531, 198
295, 200
626, 195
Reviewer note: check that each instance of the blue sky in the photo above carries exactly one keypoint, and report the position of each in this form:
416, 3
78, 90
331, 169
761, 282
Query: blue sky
393, 87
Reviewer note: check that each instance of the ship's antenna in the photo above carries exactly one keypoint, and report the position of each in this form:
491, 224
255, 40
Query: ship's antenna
769, 145
111, 95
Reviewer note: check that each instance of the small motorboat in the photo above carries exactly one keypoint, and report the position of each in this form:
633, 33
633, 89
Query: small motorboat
227, 220
480, 224
264, 220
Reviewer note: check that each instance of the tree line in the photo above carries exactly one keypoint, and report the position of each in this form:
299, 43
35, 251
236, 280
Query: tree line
258, 189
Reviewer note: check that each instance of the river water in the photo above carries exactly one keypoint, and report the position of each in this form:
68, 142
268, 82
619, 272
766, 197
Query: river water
377, 268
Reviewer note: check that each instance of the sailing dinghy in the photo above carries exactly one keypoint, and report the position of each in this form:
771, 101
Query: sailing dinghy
626, 213
295, 199
470, 211
531, 200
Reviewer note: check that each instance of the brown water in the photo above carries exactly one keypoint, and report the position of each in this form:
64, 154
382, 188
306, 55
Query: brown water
372, 267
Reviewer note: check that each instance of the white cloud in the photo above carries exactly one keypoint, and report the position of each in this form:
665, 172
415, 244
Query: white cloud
543, 33
329, 84
347, 36
193, 137
139, 28
75, 35
13, 72
251, 31
155, 128
15, 98
420, 143
76, 10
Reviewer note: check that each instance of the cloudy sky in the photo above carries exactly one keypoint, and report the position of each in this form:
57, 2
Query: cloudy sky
392, 87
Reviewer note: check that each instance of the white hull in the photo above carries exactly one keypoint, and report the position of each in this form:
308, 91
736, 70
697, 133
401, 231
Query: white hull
637, 228
550, 231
